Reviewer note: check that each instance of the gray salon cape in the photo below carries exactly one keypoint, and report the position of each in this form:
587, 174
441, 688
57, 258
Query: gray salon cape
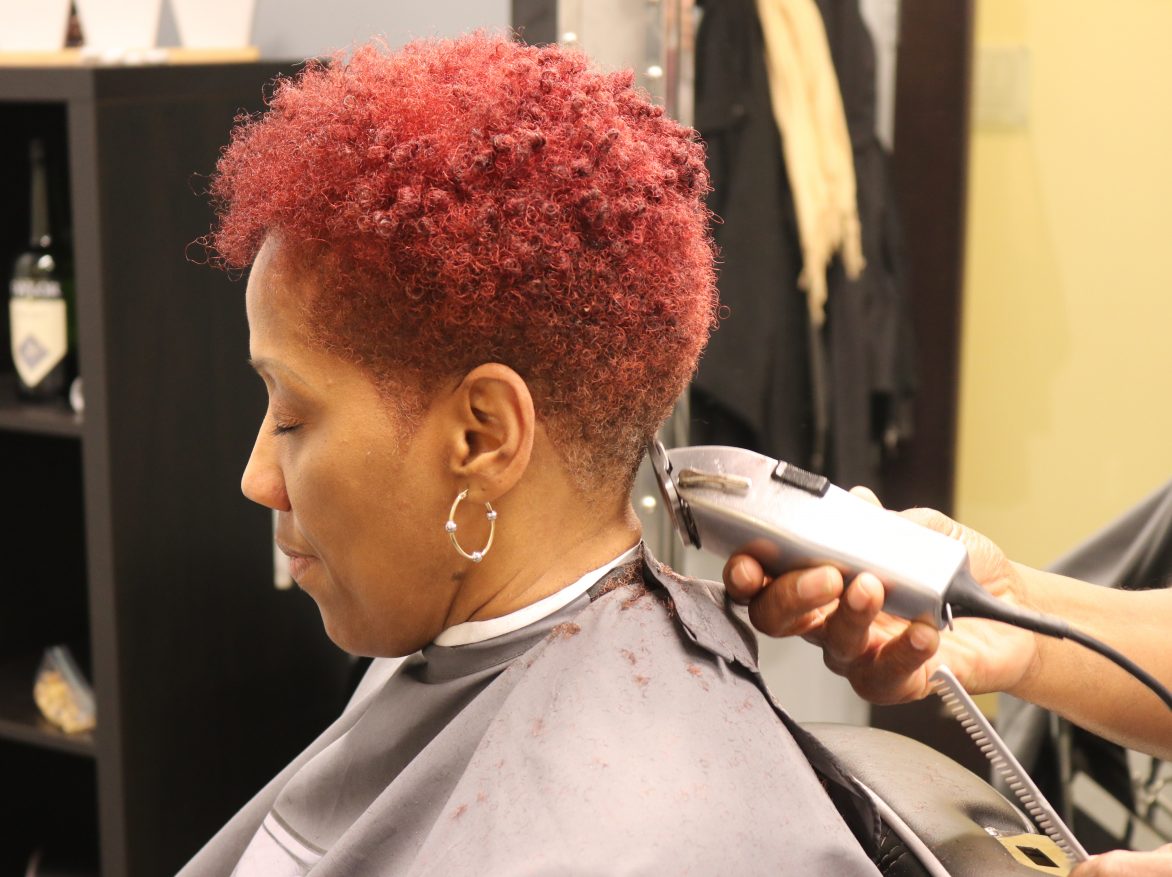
627, 733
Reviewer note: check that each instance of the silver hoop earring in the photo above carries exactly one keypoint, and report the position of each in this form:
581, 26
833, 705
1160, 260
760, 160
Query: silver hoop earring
450, 528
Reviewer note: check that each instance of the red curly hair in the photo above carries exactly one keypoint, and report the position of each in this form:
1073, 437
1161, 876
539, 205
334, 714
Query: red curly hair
480, 200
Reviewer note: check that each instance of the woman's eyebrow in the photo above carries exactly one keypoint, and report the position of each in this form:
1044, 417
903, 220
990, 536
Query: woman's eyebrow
264, 365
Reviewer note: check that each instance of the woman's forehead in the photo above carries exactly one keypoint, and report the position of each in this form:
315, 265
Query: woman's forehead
280, 343
274, 303
278, 287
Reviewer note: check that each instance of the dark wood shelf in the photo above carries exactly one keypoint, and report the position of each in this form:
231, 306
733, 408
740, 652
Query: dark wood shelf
113, 82
20, 720
40, 418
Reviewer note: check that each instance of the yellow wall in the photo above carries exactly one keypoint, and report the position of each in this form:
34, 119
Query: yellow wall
1066, 373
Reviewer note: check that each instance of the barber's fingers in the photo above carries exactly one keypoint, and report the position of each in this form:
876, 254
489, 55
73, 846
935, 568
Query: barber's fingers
893, 673
743, 578
797, 603
743, 575
792, 604
1121, 863
848, 631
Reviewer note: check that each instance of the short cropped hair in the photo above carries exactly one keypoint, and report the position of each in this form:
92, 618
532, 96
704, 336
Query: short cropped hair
479, 200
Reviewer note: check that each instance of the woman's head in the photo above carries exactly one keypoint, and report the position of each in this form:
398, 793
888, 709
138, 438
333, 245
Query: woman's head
480, 201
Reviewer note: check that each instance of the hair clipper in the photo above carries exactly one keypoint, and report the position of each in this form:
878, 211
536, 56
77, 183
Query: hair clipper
729, 500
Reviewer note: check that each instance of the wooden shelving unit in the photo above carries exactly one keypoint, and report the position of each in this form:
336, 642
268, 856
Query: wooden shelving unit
130, 540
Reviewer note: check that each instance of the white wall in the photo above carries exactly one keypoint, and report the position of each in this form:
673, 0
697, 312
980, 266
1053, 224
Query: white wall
297, 29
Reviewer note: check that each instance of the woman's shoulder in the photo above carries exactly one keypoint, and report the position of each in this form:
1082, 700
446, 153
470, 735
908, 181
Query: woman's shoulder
655, 620
635, 733
643, 640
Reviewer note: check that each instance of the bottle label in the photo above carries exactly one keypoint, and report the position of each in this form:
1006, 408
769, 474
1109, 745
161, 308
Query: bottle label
40, 337
35, 287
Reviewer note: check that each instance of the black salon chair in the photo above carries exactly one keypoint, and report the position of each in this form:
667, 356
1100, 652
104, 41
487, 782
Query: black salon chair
939, 819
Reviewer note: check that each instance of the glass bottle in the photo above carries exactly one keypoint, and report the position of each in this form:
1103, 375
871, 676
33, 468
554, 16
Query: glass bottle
40, 298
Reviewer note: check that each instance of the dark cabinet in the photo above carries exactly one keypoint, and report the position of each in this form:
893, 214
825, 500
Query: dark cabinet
125, 532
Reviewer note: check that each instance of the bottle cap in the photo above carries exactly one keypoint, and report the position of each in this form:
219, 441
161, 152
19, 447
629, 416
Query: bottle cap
76, 397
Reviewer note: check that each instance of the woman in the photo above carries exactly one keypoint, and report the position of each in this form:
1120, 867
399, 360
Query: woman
480, 276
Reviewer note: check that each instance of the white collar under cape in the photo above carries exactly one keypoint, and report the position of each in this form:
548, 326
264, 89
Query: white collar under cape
478, 631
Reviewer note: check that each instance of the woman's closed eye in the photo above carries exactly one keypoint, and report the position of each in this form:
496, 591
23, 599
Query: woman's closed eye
283, 427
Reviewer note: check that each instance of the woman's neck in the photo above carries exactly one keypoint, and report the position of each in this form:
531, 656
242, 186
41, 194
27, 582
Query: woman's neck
535, 555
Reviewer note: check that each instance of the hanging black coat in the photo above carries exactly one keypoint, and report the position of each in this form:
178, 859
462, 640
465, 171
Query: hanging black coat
753, 388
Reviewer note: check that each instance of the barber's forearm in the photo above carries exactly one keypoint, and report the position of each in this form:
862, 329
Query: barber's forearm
1087, 688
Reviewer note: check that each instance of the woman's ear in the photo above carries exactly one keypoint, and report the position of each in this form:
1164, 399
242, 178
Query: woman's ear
491, 431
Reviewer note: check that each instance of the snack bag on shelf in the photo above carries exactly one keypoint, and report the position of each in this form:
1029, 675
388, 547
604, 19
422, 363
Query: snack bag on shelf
62, 693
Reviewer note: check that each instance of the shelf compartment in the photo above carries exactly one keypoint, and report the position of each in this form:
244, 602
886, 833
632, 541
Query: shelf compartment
45, 418
43, 590
45, 122
51, 812
21, 721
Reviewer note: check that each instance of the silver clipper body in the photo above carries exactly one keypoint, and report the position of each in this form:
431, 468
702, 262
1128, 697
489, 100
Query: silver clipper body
725, 500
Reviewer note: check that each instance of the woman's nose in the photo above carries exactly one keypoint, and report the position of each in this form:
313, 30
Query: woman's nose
263, 481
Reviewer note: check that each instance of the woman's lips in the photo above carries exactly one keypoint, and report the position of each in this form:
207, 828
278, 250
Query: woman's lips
298, 565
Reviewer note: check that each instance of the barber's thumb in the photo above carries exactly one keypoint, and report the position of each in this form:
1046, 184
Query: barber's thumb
867, 494
933, 520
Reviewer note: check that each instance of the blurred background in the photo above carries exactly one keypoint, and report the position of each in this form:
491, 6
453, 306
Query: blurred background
1005, 357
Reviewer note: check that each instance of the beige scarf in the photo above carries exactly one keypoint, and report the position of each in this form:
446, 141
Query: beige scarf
807, 107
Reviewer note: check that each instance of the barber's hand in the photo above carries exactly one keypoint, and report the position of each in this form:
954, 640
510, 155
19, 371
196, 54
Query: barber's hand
1124, 864
887, 659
